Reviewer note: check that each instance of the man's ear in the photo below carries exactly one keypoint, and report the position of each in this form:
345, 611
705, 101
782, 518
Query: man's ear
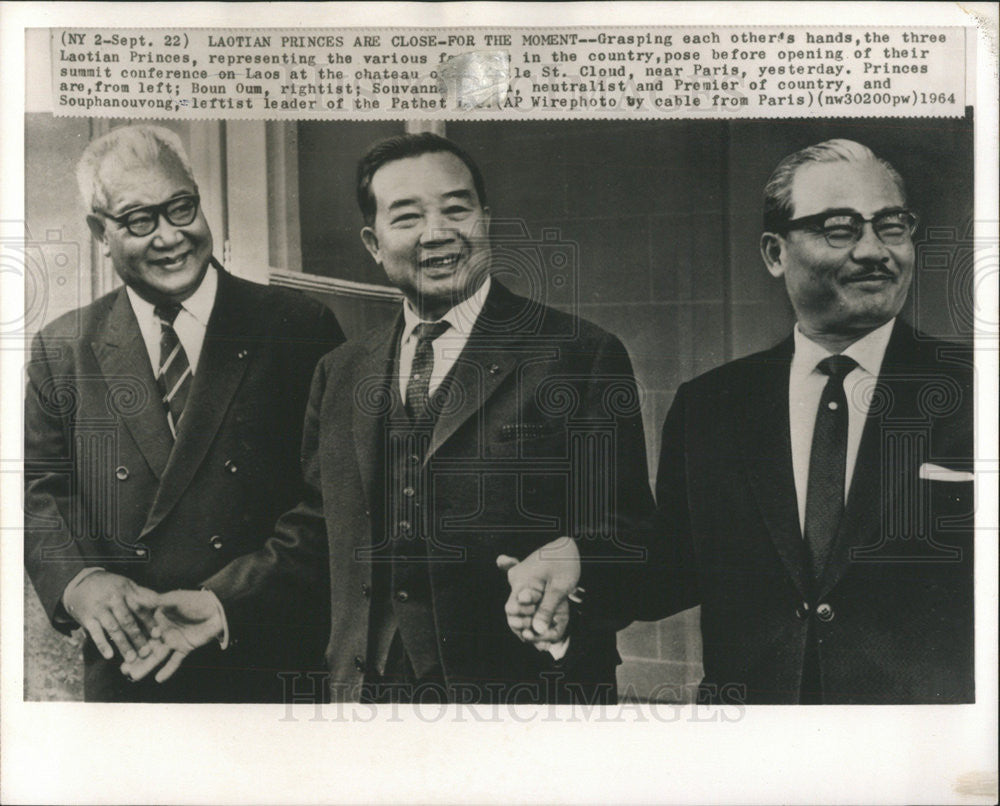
99, 230
772, 251
370, 240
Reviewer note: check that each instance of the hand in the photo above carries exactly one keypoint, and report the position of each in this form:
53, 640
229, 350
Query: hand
184, 621
540, 586
107, 606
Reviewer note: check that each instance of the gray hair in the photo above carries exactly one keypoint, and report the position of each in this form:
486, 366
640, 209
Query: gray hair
778, 190
128, 147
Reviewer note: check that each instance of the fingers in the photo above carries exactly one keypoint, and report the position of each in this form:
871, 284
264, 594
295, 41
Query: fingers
142, 602
555, 598
138, 669
128, 624
93, 627
109, 621
519, 608
171, 666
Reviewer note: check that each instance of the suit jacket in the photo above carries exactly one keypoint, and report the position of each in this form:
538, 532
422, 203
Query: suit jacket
892, 614
107, 486
544, 439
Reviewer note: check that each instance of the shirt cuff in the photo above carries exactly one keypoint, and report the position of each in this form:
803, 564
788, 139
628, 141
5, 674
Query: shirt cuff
223, 636
86, 572
558, 650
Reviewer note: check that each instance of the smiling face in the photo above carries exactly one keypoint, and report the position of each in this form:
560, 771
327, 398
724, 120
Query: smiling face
430, 230
171, 261
841, 293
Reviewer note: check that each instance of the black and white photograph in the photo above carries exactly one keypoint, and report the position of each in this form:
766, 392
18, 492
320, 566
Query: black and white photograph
369, 425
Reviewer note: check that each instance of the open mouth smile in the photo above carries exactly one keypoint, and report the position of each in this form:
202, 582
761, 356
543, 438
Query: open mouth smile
171, 263
440, 261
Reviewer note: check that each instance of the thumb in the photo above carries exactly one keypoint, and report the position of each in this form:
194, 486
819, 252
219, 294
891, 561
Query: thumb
505, 562
139, 597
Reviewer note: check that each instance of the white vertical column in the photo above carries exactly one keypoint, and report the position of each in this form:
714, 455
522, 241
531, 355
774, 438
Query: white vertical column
247, 199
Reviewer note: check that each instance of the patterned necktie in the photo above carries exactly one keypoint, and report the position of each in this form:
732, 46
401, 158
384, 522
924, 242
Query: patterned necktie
827, 463
174, 375
417, 399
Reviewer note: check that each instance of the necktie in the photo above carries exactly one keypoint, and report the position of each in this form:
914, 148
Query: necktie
417, 387
827, 463
174, 375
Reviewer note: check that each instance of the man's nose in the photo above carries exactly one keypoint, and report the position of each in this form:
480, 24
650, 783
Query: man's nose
869, 246
437, 230
166, 235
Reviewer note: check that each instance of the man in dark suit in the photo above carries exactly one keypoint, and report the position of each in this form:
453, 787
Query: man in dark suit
162, 433
823, 486
481, 429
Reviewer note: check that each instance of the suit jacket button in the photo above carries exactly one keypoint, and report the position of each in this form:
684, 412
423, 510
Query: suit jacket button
121, 472
824, 612
366, 589
402, 596
405, 527
216, 542
359, 663
409, 492
230, 465
140, 552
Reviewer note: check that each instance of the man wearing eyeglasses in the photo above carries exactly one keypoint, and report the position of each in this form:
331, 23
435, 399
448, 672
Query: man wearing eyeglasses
162, 432
822, 485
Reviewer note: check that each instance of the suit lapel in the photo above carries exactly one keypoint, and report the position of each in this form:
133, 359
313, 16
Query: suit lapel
231, 338
767, 455
480, 369
367, 421
122, 356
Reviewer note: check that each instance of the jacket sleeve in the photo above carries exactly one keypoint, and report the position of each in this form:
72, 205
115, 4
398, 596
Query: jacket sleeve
630, 569
51, 553
677, 573
289, 574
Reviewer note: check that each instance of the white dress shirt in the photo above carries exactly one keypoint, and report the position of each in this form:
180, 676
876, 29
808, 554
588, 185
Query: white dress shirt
190, 324
448, 346
805, 388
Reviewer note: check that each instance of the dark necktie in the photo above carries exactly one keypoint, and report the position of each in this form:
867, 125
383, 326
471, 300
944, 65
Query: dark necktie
827, 463
174, 375
417, 400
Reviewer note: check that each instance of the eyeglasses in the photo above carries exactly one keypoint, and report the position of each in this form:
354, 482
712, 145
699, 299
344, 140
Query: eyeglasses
142, 221
843, 228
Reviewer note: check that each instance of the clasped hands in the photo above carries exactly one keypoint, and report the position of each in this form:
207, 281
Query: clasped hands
152, 631
540, 589
157, 631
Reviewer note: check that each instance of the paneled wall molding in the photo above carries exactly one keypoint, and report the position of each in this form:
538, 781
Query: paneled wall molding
333, 285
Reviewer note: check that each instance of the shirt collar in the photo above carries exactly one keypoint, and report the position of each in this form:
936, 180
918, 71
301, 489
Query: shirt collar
199, 304
868, 351
462, 317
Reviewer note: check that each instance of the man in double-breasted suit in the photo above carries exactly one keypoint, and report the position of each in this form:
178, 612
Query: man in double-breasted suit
822, 489
482, 429
162, 432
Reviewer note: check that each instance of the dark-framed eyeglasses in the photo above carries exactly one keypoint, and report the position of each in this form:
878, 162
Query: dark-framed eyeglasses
843, 228
142, 221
